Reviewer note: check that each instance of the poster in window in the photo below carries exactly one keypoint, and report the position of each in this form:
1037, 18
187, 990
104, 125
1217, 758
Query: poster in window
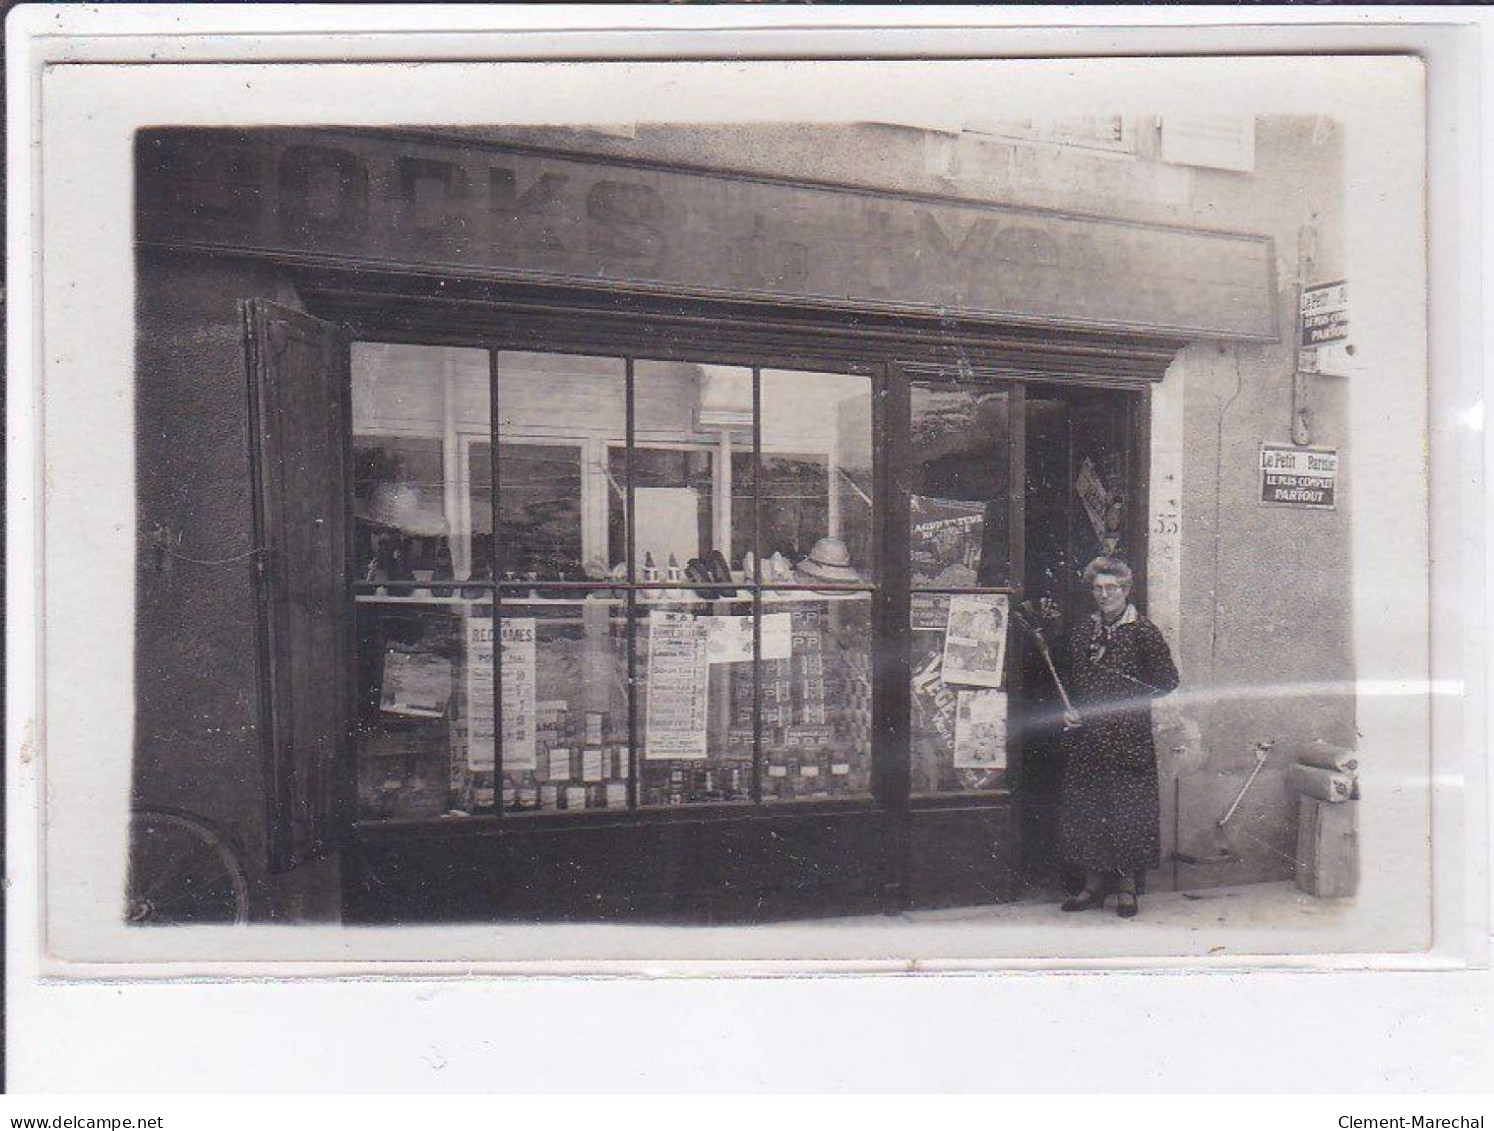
416, 684
980, 730
479, 648
678, 685
933, 701
975, 641
929, 612
517, 643
729, 639
946, 540
1091, 491
517, 637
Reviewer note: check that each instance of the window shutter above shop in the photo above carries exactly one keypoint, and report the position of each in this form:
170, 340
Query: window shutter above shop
1213, 141
299, 438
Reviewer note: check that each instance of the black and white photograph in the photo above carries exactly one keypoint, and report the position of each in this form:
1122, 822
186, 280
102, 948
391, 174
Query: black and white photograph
936, 520
765, 511
750, 551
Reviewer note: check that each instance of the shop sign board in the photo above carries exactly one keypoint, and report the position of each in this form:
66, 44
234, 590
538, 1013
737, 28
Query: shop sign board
1325, 314
1299, 477
490, 212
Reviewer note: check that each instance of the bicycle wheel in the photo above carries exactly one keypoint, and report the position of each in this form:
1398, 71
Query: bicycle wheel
181, 871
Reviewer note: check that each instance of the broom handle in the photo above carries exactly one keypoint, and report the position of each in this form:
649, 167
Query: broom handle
1058, 683
1042, 646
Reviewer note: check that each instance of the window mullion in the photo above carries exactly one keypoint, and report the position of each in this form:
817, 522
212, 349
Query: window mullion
891, 694
757, 585
630, 608
1016, 431
495, 559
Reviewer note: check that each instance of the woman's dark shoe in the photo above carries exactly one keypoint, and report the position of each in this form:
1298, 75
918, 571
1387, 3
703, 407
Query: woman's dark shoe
1084, 901
1126, 905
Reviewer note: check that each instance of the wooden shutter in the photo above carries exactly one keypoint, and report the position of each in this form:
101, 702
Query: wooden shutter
1209, 141
300, 447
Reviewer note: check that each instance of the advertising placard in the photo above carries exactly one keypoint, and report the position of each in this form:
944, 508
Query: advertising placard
1325, 314
678, 687
1299, 477
518, 693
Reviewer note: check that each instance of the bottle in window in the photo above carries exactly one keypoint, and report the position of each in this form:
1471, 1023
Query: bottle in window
482, 569
444, 570
399, 560
650, 576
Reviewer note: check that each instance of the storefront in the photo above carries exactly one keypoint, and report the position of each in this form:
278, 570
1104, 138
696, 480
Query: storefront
625, 539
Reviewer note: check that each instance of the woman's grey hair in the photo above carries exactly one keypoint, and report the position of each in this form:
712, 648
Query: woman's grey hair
1110, 567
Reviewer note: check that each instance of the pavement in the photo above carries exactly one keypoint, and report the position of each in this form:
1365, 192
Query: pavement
1248, 905
1274, 922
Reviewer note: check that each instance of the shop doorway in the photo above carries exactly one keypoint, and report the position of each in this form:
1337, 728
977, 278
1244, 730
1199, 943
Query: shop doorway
1085, 495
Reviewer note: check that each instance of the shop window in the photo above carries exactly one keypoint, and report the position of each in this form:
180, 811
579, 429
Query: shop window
700, 534
959, 523
414, 708
660, 587
561, 713
419, 414
814, 488
678, 595
695, 672
606, 584
414, 410
764, 687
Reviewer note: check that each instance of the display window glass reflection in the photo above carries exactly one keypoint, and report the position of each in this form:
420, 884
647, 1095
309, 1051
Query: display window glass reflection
416, 411
562, 712
673, 493
557, 416
539, 509
634, 584
959, 558
415, 408
695, 670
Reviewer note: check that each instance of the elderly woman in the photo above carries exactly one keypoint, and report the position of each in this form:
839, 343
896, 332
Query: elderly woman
1109, 815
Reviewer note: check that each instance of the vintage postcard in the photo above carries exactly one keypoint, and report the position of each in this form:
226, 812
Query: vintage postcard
520, 513
941, 513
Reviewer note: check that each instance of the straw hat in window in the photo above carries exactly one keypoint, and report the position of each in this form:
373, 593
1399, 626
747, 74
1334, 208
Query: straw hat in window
829, 561
399, 506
